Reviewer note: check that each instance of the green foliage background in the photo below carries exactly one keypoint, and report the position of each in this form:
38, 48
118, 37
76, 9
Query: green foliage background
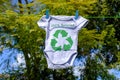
23, 27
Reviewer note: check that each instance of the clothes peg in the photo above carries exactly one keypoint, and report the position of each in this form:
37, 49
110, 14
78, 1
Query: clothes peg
76, 14
47, 14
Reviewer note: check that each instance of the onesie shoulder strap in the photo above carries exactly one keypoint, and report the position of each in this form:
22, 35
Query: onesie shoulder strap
80, 22
43, 22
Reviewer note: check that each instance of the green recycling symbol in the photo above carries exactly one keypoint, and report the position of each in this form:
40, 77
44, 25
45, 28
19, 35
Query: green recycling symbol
61, 41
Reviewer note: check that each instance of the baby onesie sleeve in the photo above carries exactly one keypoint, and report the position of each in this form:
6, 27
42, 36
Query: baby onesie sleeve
43, 22
80, 23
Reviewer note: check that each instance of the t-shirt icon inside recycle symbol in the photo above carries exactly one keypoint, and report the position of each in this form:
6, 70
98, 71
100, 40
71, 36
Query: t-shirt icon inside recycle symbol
61, 41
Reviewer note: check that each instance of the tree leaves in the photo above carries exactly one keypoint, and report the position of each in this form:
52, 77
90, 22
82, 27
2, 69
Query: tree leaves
30, 38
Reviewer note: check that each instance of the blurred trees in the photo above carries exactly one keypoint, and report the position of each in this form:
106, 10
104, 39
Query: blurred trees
101, 33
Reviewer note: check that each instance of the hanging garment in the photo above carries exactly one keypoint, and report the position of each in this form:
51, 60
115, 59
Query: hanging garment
61, 39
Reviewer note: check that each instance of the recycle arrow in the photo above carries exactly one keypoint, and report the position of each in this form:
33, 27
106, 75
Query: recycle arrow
65, 47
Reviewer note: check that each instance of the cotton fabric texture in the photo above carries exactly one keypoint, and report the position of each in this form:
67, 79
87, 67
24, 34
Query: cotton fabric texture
61, 39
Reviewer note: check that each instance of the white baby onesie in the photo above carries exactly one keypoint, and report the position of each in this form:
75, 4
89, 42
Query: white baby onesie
61, 39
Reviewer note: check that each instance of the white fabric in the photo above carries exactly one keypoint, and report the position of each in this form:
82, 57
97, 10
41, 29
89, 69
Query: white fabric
61, 39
